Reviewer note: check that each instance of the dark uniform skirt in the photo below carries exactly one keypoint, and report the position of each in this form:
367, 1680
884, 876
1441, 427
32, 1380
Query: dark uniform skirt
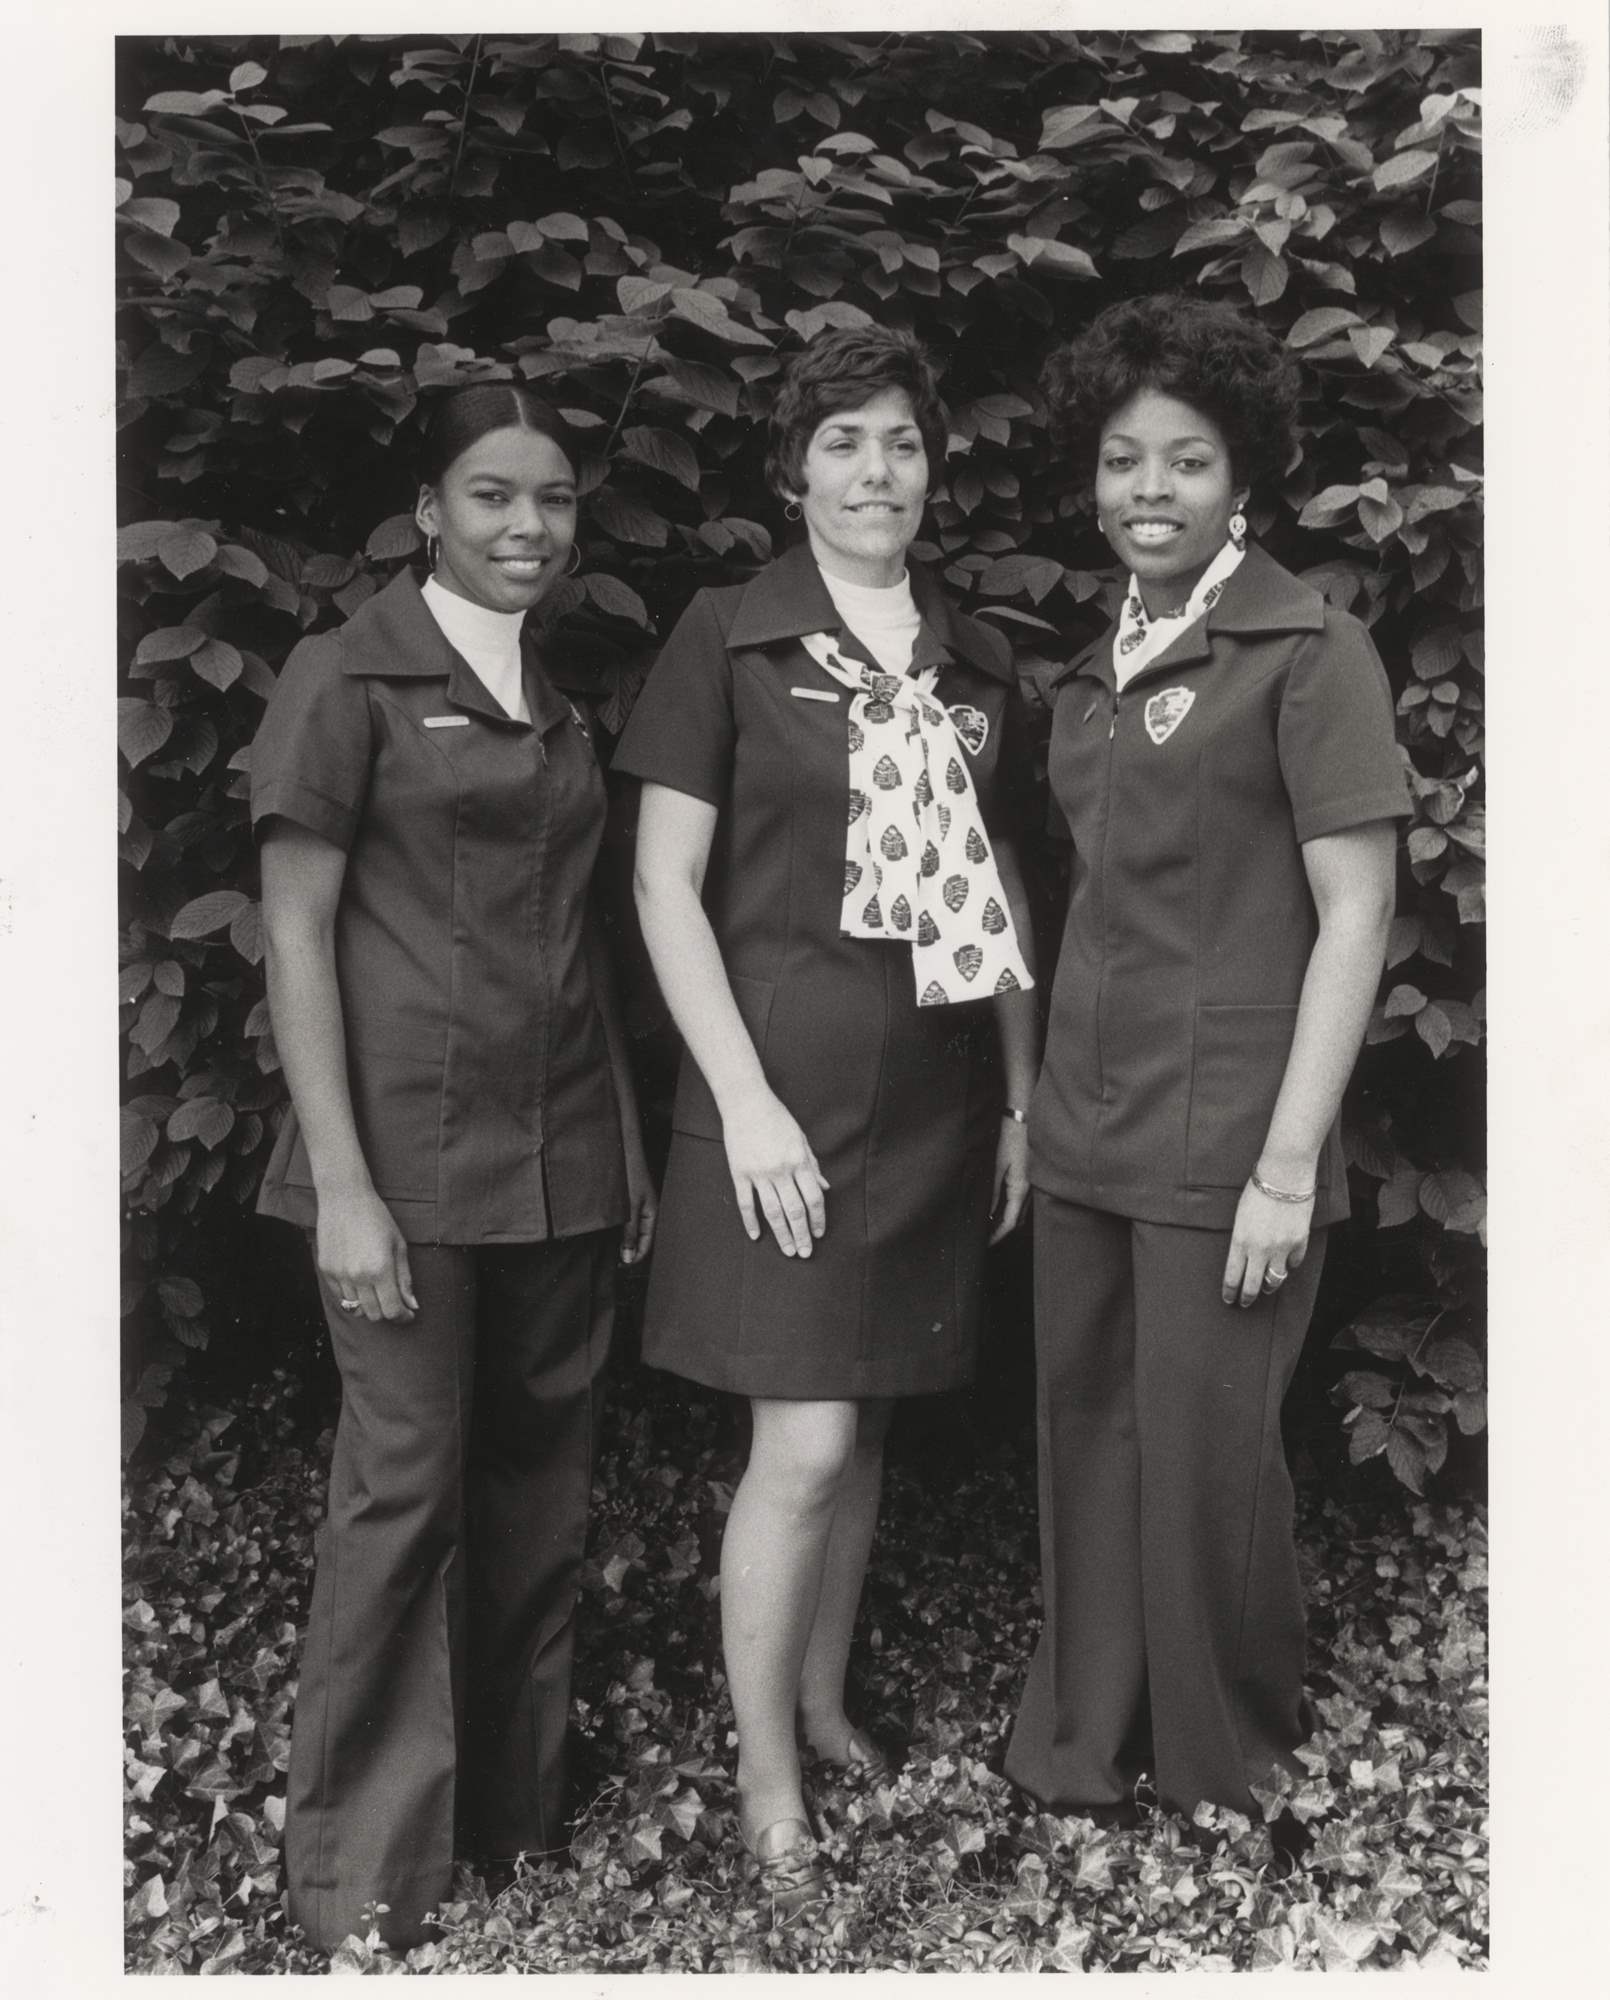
902, 1108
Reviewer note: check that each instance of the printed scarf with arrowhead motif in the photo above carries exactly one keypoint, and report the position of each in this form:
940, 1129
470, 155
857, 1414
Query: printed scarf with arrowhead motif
917, 862
1140, 639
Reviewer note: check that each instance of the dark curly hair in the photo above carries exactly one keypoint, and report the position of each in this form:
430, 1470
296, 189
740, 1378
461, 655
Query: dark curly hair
841, 370
1219, 360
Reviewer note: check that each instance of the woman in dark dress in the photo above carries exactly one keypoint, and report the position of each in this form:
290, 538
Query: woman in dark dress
463, 1149
1225, 762
825, 878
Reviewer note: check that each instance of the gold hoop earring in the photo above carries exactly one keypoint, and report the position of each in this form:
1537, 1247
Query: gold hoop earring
793, 511
574, 563
433, 552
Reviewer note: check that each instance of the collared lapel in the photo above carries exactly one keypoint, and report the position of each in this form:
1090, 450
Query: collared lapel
394, 637
788, 598
1261, 595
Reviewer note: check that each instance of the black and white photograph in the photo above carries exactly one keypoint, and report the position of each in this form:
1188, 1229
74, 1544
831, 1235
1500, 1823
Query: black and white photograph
800, 1280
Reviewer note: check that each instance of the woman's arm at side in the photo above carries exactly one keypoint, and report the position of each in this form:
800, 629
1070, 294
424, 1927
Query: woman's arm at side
359, 1249
637, 1239
1351, 877
768, 1155
1017, 1019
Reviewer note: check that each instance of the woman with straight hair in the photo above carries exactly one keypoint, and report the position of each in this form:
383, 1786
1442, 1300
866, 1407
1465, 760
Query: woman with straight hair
1225, 763
828, 890
463, 1148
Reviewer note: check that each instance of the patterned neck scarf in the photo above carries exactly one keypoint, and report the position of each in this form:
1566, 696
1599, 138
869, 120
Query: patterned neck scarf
1140, 639
917, 864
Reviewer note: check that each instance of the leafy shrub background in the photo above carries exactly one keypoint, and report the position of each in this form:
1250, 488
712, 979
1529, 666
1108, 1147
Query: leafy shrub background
316, 231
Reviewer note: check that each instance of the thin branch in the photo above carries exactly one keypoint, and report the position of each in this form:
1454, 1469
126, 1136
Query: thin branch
464, 115
246, 125
626, 401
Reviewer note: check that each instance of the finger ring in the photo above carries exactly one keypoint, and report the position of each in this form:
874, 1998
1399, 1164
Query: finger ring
1273, 1278
347, 1305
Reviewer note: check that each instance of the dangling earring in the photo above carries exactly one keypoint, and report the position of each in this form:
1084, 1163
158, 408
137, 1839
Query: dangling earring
1238, 529
574, 563
793, 511
433, 552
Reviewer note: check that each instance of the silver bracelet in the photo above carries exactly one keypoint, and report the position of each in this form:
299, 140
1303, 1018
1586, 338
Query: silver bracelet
1280, 1194
1017, 1117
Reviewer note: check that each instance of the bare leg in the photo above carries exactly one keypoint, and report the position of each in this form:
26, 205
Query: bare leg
772, 1558
827, 1655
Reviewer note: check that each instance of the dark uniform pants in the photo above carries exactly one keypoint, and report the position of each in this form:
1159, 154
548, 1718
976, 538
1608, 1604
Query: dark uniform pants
435, 1682
1174, 1636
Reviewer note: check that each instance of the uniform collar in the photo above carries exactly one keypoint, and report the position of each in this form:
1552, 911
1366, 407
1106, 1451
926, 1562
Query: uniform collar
394, 637
1260, 596
788, 598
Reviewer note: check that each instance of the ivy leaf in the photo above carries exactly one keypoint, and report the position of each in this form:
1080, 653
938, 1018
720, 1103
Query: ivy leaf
397, 536
1328, 507
1407, 1458
616, 599
664, 451
1319, 324
1431, 1025
206, 914
217, 663
210, 1121
1404, 1000
142, 728
1401, 169
1264, 275
151, 212
169, 642
1399, 1200
184, 103
1035, 575
1045, 253
628, 520
137, 1140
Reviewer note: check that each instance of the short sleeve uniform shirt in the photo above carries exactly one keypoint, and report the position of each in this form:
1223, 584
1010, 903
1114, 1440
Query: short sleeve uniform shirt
1190, 922
476, 1057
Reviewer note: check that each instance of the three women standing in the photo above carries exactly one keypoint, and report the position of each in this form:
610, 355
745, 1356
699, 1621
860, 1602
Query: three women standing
830, 756
1225, 762
464, 1147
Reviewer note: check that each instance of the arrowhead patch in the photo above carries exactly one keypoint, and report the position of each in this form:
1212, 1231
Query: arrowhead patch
1166, 711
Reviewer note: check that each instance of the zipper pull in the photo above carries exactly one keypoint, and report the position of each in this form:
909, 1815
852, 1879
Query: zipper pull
1112, 727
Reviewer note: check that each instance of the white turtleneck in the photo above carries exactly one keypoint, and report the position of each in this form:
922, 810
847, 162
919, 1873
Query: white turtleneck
885, 618
489, 640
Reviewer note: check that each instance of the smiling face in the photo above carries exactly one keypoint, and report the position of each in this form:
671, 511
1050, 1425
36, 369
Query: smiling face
866, 476
505, 514
1165, 491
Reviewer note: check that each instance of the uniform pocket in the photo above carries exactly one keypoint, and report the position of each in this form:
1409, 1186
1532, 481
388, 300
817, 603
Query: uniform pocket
695, 1109
1237, 1063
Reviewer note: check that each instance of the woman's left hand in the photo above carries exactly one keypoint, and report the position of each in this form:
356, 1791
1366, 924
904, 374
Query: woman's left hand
1270, 1238
637, 1238
1011, 1183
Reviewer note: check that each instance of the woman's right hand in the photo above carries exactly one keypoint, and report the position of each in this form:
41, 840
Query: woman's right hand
361, 1255
771, 1161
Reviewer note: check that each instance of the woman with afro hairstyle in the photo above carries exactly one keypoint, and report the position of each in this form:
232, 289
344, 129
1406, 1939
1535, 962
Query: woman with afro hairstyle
1224, 762
827, 887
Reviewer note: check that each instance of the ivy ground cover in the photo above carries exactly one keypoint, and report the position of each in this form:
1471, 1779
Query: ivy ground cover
945, 1868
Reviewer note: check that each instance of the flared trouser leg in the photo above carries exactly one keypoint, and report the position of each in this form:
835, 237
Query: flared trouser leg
528, 1484
1174, 1629
428, 1656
